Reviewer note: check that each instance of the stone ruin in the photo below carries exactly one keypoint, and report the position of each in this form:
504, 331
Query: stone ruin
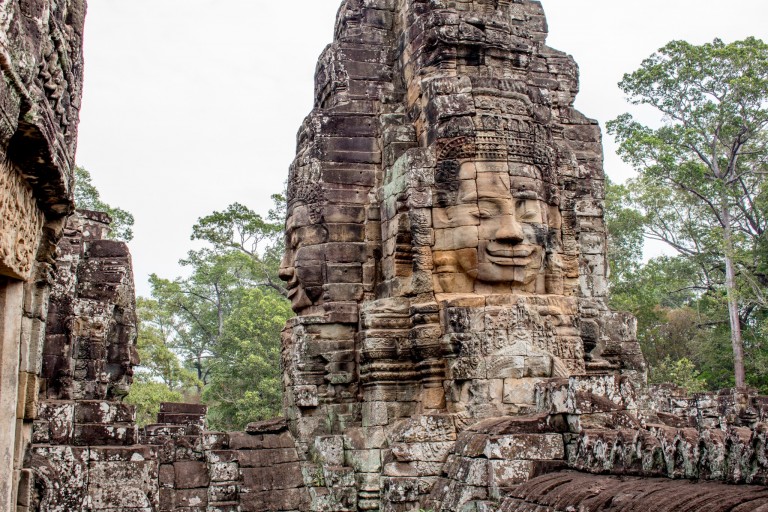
41, 66
446, 258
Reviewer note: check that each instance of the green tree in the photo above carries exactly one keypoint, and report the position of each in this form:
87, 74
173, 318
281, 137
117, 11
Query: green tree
87, 197
146, 396
157, 337
701, 186
161, 376
238, 228
225, 318
200, 304
245, 372
625, 233
655, 293
681, 372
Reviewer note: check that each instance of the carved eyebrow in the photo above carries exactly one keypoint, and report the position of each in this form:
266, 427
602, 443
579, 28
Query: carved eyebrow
526, 194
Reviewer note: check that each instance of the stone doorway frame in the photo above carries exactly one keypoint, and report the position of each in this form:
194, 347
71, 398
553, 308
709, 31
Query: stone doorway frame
11, 313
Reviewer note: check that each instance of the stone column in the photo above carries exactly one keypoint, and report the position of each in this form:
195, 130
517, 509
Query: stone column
11, 299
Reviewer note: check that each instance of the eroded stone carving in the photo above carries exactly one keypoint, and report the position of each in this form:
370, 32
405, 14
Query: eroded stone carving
40, 90
451, 176
303, 266
21, 224
90, 347
493, 232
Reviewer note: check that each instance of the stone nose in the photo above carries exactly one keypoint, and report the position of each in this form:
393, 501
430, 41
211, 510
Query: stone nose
510, 230
286, 271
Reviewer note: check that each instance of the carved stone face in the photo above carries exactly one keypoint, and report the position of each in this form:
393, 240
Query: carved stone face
494, 231
303, 264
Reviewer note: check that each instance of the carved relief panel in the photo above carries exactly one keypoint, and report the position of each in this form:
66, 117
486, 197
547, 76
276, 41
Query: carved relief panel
21, 224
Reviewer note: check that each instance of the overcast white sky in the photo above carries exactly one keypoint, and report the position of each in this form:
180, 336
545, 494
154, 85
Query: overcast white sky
190, 105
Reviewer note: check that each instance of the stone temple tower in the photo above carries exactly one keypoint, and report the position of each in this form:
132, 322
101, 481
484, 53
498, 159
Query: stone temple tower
445, 239
446, 248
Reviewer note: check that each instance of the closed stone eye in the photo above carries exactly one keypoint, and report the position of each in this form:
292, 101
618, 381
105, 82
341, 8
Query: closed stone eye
483, 214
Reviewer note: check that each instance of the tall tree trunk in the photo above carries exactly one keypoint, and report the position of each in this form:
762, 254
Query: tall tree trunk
733, 303
199, 368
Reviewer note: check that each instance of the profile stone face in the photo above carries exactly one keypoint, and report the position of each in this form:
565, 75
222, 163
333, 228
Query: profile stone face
303, 266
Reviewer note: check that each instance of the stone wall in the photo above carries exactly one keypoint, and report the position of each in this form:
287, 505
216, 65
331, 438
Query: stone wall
593, 425
600, 426
42, 67
89, 349
81, 429
567, 492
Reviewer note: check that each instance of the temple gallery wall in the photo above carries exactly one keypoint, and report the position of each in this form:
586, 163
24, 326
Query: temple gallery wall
452, 348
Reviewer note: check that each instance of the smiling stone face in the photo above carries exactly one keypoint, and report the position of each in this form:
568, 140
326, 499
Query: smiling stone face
491, 230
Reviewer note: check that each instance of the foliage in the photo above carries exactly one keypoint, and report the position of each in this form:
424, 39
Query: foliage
240, 229
625, 232
654, 294
147, 397
87, 197
199, 304
682, 373
246, 382
677, 321
155, 345
701, 186
161, 376
222, 322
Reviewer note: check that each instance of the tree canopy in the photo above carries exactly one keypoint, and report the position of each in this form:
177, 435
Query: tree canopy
240, 229
701, 184
87, 197
215, 333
